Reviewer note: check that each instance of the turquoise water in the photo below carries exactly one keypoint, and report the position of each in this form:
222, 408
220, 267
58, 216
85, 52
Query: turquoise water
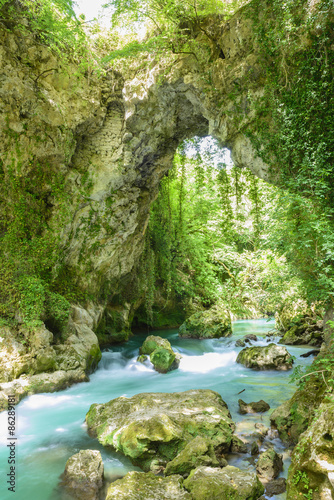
51, 426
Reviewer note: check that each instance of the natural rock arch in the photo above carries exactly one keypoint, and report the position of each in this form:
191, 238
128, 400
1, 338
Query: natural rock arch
114, 138
144, 123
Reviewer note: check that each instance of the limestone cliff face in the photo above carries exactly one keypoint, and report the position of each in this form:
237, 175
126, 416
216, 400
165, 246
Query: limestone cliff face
114, 138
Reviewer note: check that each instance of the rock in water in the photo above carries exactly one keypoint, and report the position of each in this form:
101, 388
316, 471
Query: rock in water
83, 475
271, 357
164, 360
162, 356
147, 486
254, 407
152, 428
248, 338
238, 446
153, 342
269, 465
254, 448
211, 324
229, 483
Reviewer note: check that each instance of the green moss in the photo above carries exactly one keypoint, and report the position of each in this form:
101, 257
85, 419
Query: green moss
162, 359
228, 483
93, 358
152, 428
153, 342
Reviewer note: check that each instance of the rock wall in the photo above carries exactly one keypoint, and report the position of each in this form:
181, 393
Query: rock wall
114, 138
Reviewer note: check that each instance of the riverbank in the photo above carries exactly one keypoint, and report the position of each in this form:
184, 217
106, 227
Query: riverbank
51, 429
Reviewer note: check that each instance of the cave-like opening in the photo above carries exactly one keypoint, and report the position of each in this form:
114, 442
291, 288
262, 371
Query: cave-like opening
214, 238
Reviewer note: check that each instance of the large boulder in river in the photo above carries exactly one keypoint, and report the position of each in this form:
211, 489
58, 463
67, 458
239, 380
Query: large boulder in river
211, 324
83, 475
152, 428
271, 357
162, 356
228, 483
141, 486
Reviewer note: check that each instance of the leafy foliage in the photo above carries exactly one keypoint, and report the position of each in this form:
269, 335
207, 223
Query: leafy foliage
167, 24
53, 24
296, 42
208, 237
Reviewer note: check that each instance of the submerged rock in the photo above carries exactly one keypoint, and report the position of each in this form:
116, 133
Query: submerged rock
161, 354
314, 352
269, 465
229, 483
152, 428
83, 475
199, 451
147, 486
210, 324
254, 407
271, 357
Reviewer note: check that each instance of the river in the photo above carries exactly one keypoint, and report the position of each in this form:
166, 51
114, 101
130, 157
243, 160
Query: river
51, 426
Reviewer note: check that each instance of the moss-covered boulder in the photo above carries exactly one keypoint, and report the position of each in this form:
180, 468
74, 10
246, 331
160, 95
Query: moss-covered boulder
199, 451
83, 475
228, 483
164, 360
152, 428
271, 357
153, 342
253, 407
211, 324
312, 464
161, 354
269, 465
147, 486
